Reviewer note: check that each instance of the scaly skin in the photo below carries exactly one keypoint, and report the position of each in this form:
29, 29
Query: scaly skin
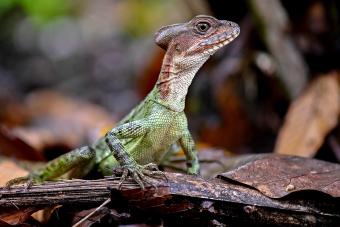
145, 135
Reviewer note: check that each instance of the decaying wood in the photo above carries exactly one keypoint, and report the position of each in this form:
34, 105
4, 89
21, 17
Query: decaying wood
207, 201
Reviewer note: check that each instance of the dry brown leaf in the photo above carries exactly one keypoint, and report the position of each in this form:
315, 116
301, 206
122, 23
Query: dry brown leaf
16, 216
12, 113
58, 120
13, 146
9, 170
310, 118
44, 215
279, 175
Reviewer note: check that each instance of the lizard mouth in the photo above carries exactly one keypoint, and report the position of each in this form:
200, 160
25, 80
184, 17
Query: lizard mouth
219, 40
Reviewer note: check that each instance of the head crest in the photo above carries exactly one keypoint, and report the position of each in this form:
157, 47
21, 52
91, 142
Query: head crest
164, 36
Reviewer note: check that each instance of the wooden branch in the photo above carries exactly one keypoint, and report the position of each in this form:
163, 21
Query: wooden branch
211, 200
59, 192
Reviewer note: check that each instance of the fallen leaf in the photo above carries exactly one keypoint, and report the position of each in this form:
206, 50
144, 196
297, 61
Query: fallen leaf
57, 120
9, 170
16, 216
279, 175
44, 215
13, 146
12, 112
310, 118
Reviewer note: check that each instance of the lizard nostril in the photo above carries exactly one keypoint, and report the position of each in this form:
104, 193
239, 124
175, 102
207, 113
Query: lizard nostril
229, 23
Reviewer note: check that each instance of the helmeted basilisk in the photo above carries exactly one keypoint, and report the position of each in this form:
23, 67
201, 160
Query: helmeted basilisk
145, 135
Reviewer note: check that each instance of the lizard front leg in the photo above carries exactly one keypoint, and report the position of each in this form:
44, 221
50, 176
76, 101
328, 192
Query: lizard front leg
188, 145
130, 130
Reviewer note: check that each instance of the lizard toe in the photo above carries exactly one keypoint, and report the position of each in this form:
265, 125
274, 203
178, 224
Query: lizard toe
152, 170
139, 178
151, 166
27, 181
155, 174
125, 174
142, 175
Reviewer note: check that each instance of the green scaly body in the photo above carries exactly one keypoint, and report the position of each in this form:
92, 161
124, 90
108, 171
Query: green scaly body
166, 128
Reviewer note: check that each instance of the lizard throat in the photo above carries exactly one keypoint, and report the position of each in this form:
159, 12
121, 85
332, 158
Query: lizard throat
173, 83
173, 87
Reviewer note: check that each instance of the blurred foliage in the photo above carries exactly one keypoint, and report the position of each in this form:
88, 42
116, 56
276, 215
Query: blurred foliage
140, 16
40, 11
103, 53
43, 11
6, 5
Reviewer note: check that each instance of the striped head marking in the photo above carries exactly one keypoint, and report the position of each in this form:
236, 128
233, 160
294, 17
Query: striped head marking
188, 46
203, 36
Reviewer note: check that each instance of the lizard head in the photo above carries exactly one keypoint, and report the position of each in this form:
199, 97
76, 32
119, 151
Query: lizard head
197, 39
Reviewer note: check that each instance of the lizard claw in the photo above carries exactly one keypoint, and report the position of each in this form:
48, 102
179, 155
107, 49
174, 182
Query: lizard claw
142, 174
152, 170
151, 166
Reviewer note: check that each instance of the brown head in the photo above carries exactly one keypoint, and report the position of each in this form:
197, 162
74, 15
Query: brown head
188, 46
198, 38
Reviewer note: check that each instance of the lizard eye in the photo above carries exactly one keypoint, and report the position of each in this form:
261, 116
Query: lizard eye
203, 26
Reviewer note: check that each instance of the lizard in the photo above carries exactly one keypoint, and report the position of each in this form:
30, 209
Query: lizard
144, 136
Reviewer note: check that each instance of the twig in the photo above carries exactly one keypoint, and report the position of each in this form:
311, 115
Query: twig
92, 213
